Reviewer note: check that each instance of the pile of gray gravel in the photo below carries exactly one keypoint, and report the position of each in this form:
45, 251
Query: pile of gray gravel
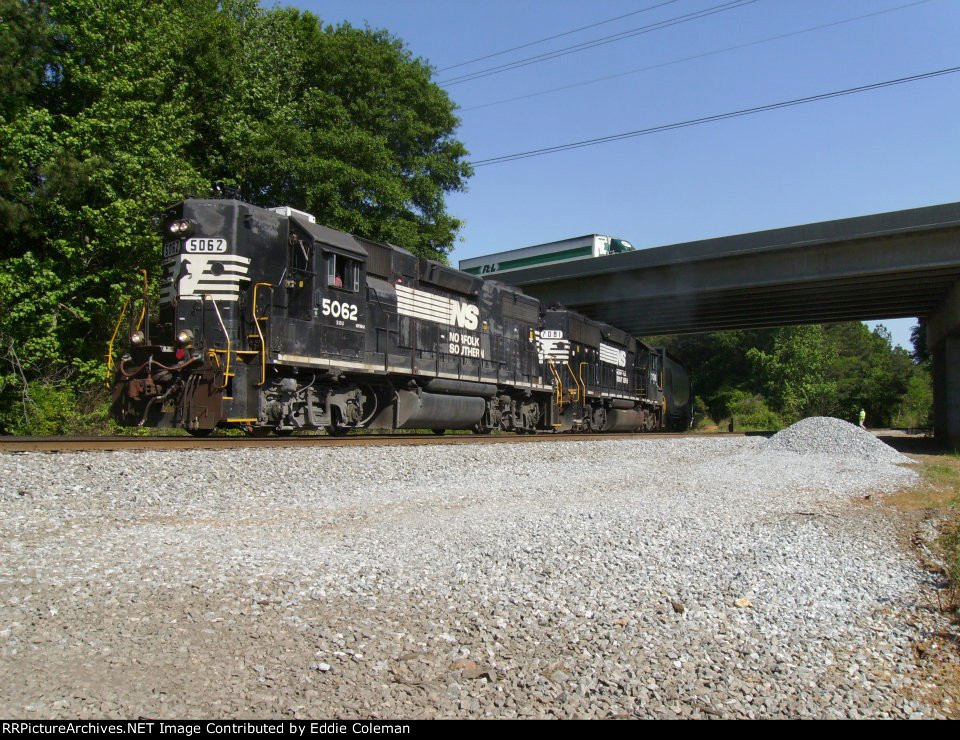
824, 435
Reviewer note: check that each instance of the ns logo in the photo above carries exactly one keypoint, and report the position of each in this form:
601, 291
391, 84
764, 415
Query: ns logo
464, 315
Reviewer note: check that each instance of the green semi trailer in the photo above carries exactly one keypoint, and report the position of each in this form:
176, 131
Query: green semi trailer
565, 250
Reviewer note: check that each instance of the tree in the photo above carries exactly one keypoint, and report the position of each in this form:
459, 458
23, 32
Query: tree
23, 45
918, 338
869, 372
916, 406
792, 375
341, 122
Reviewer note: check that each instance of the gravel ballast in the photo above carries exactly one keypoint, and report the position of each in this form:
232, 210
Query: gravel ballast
693, 577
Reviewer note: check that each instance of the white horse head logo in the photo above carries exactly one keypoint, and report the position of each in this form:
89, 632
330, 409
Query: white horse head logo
216, 276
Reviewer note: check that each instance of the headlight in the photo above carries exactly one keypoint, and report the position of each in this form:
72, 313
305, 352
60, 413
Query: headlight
180, 227
137, 338
185, 336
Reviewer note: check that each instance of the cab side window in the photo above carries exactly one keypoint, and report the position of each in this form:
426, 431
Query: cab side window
343, 273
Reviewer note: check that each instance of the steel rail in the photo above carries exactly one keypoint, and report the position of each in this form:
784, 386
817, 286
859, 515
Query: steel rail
107, 444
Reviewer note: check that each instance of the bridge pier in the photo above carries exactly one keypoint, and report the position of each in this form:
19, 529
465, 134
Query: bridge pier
943, 339
946, 392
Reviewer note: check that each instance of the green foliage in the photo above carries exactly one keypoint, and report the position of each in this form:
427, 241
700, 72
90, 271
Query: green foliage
918, 338
792, 376
112, 109
701, 416
916, 406
748, 411
22, 47
828, 370
751, 413
868, 371
52, 409
93, 152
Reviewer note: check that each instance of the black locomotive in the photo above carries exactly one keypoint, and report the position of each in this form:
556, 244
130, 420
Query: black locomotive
270, 322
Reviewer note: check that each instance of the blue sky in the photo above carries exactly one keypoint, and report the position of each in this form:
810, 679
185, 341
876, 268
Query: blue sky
877, 151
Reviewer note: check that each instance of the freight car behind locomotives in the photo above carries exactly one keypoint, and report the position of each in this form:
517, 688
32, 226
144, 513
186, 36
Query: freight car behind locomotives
270, 322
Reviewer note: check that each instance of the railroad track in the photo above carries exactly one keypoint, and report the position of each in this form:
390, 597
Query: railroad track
105, 444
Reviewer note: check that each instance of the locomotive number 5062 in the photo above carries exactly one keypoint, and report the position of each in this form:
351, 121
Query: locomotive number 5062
339, 310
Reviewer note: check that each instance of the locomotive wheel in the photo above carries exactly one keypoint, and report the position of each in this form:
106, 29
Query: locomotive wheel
370, 405
439, 431
258, 432
283, 432
481, 429
200, 432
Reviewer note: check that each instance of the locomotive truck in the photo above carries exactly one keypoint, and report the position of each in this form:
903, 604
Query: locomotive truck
270, 322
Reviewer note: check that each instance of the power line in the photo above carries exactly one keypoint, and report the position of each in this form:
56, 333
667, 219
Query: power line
603, 40
557, 36
695, 56
708, 119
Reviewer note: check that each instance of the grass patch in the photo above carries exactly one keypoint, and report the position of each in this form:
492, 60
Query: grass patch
946, 476
940, 488
940, 492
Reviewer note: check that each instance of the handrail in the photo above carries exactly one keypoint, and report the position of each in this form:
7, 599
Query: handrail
580, 373
226, 371
116, 329
556, 375
575, 379
143, 308
263, 343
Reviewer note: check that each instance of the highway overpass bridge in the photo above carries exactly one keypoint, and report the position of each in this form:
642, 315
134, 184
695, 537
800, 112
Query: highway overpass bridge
882, 266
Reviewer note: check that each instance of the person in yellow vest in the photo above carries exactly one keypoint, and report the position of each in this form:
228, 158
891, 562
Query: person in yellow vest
863, 418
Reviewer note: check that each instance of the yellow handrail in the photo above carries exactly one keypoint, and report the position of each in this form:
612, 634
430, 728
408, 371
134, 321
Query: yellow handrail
226, 371
263, 344
143, 308
556, 375
123, 312
574, 376
580, 373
